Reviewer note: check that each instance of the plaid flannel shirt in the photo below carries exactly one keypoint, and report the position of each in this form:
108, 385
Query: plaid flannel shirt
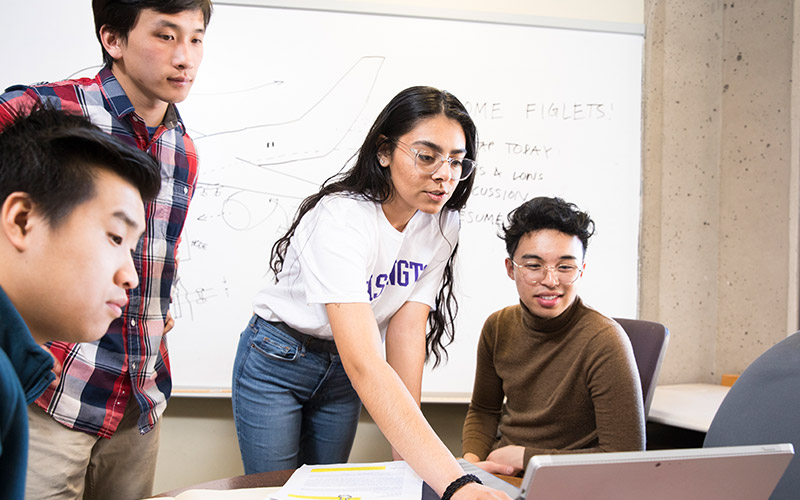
131, 359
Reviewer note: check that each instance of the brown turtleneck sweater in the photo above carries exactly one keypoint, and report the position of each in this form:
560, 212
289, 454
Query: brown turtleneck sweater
571, 383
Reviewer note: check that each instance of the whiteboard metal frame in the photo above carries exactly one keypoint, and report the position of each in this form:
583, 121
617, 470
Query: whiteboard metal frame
351, 7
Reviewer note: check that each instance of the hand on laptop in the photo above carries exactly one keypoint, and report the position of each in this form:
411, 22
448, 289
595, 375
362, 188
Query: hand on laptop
510, 455
492, 466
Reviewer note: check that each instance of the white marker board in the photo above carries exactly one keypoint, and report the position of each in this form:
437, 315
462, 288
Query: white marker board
285, 96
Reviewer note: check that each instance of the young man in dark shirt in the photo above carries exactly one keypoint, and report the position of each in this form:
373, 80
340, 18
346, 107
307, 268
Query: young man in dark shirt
71, 214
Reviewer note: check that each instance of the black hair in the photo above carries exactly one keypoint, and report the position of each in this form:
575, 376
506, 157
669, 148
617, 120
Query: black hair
54, 157
546, 213
366, 178
120, 16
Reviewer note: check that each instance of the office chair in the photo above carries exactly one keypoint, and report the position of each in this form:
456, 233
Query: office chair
649, 341
763, 407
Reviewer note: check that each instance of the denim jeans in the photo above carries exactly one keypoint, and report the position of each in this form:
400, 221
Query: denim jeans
292, 405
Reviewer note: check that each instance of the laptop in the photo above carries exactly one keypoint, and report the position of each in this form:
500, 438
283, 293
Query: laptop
724, 473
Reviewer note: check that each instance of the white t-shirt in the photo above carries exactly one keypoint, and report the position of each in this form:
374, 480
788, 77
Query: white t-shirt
345, 250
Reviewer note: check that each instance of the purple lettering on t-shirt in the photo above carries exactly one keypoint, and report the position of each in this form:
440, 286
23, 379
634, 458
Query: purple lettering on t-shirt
403, 273
401, 268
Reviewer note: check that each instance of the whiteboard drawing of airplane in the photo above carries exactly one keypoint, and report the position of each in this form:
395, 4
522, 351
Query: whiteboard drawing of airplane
315, 131
253, 173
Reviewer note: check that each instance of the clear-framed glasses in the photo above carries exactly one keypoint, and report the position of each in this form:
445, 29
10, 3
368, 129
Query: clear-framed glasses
535, 272
429, 162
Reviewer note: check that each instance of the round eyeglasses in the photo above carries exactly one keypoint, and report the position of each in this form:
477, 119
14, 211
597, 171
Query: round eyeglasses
534, 272
429, 162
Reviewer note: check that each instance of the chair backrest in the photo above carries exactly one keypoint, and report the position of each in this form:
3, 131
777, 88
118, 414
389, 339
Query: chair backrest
763, 407
649, 340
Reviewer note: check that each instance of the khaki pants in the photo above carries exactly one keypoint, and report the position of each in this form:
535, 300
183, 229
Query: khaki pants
65, 464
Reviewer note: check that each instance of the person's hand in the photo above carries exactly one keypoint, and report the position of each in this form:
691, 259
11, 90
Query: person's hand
57, 368
475, 491
489, 466
168, 323
509, 455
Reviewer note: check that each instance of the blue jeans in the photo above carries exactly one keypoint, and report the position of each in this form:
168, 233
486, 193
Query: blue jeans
292, 405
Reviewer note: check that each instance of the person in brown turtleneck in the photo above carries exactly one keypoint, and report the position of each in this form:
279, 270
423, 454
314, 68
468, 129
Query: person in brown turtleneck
567, 371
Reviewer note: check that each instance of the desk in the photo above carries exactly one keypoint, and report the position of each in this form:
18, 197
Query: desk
267, 479
258, 480
689, 406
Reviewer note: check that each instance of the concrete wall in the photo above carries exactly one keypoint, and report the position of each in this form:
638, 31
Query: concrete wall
719, 243
719, 226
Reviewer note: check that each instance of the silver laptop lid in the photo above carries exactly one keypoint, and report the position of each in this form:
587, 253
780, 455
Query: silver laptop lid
725, 473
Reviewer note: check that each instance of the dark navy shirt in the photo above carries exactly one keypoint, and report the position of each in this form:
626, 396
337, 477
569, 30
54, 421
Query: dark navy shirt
25, 372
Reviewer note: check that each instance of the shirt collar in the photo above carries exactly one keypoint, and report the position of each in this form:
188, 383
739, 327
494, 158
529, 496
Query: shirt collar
121, 105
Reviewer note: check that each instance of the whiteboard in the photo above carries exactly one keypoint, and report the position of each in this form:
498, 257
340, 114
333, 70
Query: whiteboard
283, 99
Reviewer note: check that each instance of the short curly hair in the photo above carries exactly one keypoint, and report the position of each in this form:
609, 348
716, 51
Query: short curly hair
546, 213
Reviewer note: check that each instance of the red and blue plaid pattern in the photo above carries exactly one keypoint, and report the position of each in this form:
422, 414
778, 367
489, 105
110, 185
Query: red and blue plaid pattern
100, 377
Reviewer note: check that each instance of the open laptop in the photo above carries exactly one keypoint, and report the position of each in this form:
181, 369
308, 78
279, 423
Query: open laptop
724, 473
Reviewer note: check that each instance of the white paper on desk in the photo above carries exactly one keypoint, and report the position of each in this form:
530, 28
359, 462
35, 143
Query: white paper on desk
384, 480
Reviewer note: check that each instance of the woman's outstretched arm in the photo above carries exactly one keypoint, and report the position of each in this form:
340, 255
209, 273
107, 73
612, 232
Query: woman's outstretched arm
391, 405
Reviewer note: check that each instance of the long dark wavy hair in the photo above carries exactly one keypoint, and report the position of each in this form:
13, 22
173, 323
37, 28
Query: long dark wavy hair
372, 182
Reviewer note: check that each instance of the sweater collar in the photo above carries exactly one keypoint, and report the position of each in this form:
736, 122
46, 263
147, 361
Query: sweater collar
549, 326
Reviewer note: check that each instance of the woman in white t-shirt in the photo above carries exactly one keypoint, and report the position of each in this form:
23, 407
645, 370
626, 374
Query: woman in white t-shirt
367, 261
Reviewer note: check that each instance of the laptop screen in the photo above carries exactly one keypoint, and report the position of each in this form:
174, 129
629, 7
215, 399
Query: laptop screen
724, 473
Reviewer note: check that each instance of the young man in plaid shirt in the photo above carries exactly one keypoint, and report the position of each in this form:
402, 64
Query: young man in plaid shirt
117, 388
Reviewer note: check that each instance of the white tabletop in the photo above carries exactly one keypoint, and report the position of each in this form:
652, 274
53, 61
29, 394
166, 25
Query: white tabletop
690, 406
